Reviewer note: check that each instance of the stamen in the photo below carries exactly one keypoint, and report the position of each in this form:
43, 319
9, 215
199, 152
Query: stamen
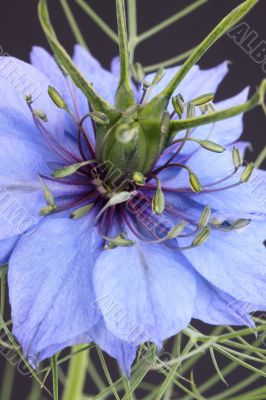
178, 104
40, 115
158, 202
118, 241
70, 169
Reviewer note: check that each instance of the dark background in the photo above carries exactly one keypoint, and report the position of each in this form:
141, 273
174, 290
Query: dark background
20, 29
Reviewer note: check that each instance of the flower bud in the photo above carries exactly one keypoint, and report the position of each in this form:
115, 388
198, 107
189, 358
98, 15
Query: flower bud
247, 173
56, 98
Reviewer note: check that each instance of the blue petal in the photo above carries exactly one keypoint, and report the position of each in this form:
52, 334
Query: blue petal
243, 201
105, 82
122, 351
234, 262
45, 63
215, 307
50, 285
75, 100
17, 79
223, 132
6, 248
145, 292
196, 82
115, 66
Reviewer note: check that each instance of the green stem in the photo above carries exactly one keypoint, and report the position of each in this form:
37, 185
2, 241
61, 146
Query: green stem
8, 380
3, 295
124, 94
261, 158
181, 14
76, 375
106, 372
169, 62
238, 387
98, 20
256, 99
35, 393
132, 27
230, 20
65, 60
55, 376
73, 24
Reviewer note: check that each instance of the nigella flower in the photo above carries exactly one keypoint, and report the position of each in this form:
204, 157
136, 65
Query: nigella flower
128, 233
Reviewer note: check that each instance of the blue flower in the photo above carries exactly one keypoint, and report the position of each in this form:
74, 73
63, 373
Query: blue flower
83, 268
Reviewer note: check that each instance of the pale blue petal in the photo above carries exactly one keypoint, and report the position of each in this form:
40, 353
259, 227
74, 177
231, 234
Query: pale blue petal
104, 82
75, 100
215, 307
196, 82
45, 63
50, 284
234, 262
17, 79
6, 248
122, 351
243, 201
145, 292
115, 66
224, 132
